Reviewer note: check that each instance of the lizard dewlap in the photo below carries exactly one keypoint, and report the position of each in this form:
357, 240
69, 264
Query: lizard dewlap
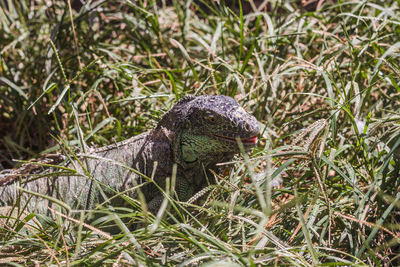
196, 134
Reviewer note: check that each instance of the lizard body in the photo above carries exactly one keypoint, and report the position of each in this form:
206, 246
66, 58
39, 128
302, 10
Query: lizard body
195, 134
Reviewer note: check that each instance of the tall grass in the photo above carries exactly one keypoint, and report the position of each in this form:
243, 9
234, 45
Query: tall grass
323, 84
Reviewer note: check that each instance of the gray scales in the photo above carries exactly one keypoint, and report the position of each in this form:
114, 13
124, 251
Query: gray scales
196, 134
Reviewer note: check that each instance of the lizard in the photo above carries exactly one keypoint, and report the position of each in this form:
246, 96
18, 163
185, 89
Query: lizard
195, 135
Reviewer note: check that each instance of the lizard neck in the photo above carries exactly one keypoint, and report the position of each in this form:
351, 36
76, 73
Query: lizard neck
194, 149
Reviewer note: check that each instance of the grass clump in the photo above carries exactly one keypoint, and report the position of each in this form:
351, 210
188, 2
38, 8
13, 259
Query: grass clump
323, 84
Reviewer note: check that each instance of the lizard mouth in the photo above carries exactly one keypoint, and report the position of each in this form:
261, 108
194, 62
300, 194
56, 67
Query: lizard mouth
245, 141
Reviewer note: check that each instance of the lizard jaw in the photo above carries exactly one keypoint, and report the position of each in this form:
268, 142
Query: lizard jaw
245, 141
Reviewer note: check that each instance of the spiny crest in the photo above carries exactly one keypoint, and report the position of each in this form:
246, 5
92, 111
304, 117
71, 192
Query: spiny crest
173, 119
9, 176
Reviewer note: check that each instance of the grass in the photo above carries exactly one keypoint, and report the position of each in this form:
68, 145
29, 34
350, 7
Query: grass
324, 85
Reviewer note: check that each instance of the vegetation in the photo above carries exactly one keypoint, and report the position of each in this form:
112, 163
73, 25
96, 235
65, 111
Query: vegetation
323, 84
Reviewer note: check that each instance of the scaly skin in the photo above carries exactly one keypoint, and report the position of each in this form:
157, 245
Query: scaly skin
195, 134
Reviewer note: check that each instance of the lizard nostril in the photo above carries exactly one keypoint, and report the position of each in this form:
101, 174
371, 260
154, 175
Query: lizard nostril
247, 127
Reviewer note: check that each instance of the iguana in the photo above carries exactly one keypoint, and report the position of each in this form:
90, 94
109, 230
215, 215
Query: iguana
195, 134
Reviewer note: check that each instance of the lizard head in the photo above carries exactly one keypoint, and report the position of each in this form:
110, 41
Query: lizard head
214, 125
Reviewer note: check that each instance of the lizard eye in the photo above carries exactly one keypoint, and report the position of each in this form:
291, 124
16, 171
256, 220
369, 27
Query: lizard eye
211, 118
